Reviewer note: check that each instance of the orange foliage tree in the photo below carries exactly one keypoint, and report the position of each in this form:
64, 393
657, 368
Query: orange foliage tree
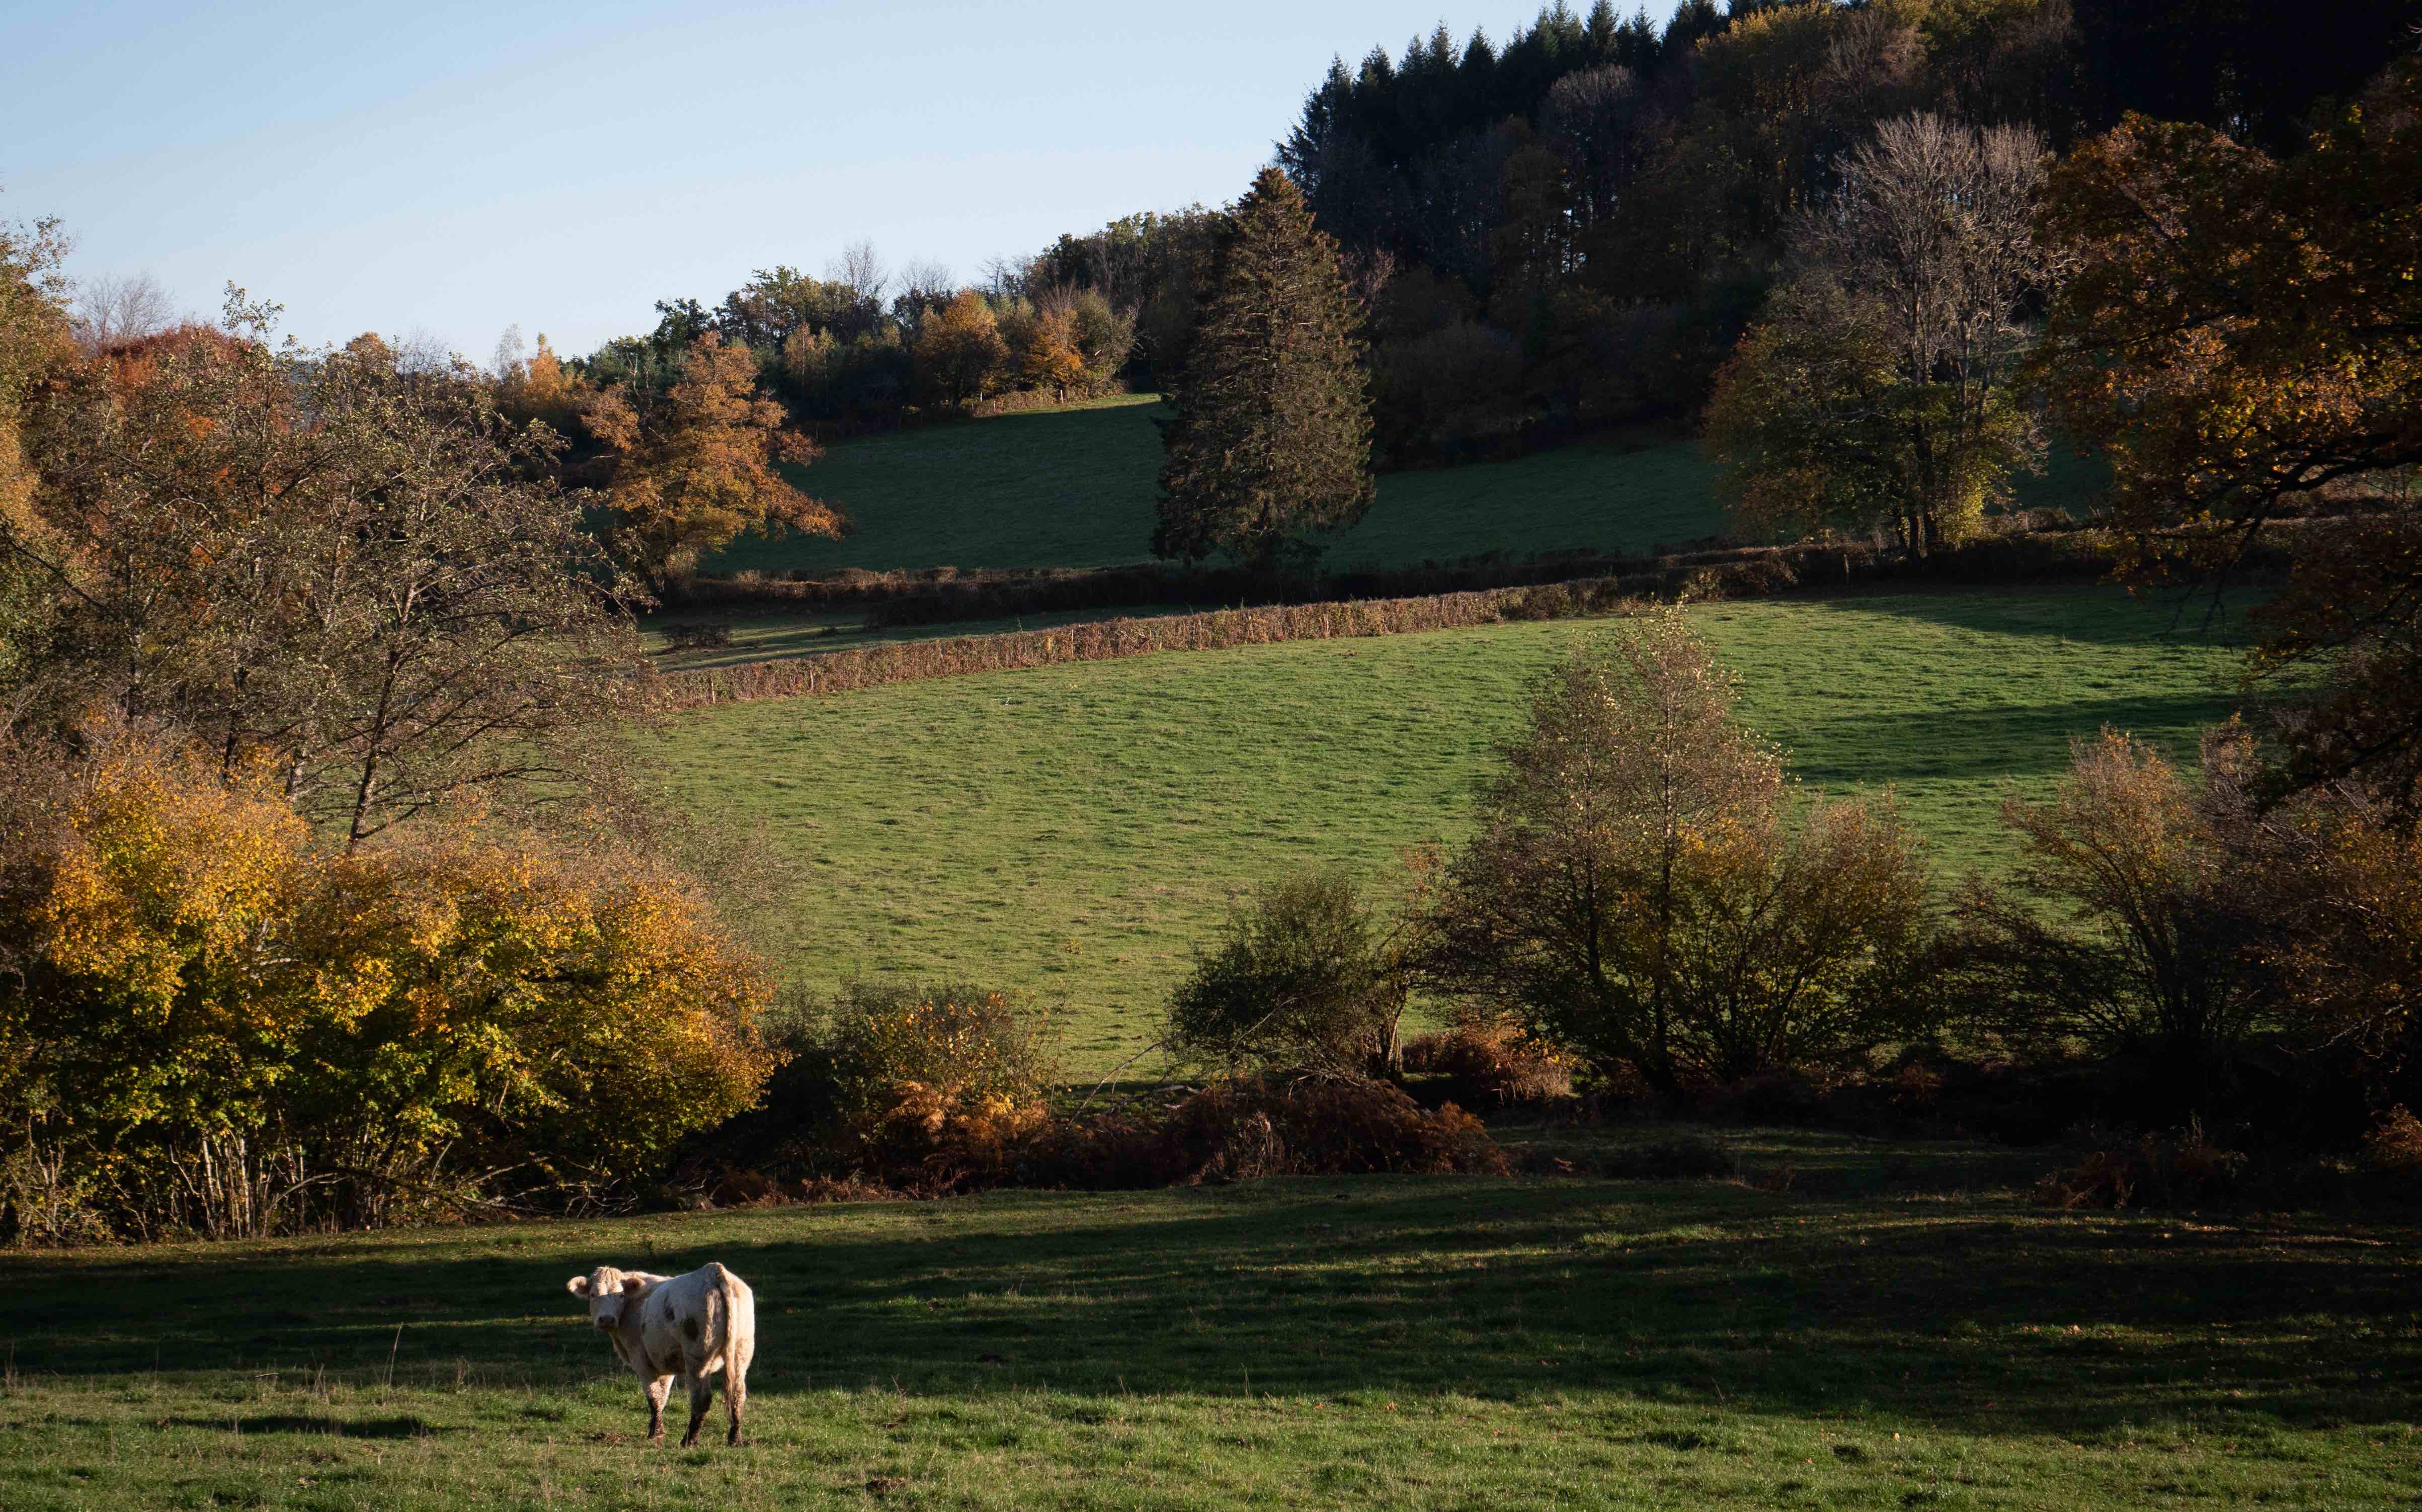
696, 466
2240, 330
356, 569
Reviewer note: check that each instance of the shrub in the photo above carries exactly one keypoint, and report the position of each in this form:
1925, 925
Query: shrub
211, 1024
2152, 959
2180, 1169
2393, 1145
1304, 976
1490, 1062
935, 1089
1247, 1129
1236, 1131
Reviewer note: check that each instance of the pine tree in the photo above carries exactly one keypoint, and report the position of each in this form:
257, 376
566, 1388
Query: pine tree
1272, 436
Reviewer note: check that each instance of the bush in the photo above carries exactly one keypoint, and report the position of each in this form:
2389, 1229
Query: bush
2394, 1146
1238, 1131
1490, 1063
2180, 1169
209, 1024
1305, 976
936, 1089
1245, 1130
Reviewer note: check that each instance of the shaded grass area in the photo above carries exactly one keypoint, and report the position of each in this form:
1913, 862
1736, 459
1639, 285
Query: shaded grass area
1076, 830
1075, 488
1903, 1337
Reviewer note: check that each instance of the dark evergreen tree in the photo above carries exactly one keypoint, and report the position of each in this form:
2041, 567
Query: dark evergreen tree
1273, 436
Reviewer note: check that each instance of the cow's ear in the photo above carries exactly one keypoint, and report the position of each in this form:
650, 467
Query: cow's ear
577, 1285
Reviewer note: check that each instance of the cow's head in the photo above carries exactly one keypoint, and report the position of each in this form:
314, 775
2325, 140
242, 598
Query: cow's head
610, 1294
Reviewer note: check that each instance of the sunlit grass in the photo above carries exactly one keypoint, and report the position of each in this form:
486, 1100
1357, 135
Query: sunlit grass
1075, 831
1898, 1330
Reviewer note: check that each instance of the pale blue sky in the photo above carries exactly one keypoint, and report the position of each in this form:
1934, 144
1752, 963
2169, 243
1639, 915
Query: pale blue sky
450, 168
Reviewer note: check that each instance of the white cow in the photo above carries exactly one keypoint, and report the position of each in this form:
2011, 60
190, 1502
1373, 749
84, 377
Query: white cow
688, 1326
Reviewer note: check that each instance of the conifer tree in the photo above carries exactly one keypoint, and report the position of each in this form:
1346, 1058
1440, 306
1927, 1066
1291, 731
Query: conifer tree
1272, 436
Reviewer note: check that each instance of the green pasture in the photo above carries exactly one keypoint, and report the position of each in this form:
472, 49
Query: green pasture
1853, 1327
1075, 488
1076, 830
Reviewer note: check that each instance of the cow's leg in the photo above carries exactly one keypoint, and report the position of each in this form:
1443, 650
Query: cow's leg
657, 1391
702, 1396
736, 1384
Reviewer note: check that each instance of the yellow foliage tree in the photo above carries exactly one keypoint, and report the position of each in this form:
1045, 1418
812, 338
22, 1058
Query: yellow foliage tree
211, 1023
959, 351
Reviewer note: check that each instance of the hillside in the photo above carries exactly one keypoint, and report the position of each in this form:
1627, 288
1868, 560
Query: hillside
1076, 830
1075, 488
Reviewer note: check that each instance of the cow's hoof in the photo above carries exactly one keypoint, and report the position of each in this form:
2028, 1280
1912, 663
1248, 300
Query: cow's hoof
689, 1440
734, 1440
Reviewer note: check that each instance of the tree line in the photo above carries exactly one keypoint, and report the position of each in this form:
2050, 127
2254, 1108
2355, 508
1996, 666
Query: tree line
867, 348
1573, 228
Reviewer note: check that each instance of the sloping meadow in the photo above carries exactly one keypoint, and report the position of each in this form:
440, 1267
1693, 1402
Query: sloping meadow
1076, 830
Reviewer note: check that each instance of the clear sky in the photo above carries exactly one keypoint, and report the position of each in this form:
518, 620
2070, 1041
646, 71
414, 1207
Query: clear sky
448, 169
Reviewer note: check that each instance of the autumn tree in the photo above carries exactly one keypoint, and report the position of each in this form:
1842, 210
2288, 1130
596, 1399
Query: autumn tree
959, 349
2239, 331
538, 387
696, 466
1272, 435
1877, 391
360, 574
1043, 348
1640, 889
33, 332
2131, 924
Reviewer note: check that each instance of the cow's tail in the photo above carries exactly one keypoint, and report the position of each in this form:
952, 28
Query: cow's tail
718, 1318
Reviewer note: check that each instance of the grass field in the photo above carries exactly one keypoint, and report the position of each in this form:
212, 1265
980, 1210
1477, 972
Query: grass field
1075, 831
1896, 1330
1075, 488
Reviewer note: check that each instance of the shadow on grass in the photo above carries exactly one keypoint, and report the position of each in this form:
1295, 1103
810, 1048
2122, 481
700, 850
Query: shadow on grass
374, 1428
2103, 615
1901, 744
1966, 1313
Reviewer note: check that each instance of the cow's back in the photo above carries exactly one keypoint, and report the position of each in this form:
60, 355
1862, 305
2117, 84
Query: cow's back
698, 1316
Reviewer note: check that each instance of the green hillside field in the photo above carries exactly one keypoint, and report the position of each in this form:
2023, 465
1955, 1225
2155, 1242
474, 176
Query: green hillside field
1075, 488
1076, 830
1894, 1328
